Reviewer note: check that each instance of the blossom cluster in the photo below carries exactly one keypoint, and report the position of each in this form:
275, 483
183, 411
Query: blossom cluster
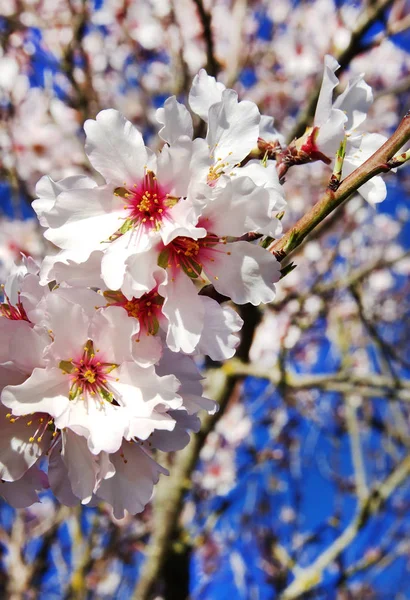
99, 341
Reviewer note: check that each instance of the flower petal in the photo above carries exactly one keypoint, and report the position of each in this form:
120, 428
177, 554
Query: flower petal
184, 311
132, 486
175, 119
115, 148
205, 92
46, 390
218, 339
233, 128
244, 272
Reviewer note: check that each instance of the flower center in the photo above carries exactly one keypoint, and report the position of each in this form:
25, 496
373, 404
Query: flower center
146, 309
89, 374
189, 254
147, 204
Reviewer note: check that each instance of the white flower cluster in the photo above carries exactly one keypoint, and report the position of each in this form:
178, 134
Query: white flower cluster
98, 343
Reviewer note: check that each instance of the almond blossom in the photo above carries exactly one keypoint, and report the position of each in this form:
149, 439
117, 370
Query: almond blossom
336, 119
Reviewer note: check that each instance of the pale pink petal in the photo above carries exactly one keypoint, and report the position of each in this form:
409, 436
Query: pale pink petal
23, 493
17, 453
132, 486
111, 331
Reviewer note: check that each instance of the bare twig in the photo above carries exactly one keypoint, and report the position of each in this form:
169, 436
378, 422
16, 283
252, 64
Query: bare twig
307, 578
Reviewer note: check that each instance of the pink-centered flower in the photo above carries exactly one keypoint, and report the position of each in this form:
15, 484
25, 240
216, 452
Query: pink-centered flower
90, 382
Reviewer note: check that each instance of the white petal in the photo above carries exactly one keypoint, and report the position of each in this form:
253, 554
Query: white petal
374, 191
141, 390
175, 119
142, 271
113, 264
103, 424
331, 133
329, 82
147, 350
27, 347
178, 438
172, 167
268, 132
239, 207
115, 148
83, 219
82, 466
184, 311
47, 191
75, 267
205, 92
69, 325
355, 102
233, 128
218, 339
247, 274
46, 390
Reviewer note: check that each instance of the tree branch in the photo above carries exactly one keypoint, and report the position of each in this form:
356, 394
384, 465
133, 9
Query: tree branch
376, 164
309, 577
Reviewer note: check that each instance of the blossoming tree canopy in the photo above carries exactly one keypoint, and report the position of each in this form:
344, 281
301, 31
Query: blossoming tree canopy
100, 341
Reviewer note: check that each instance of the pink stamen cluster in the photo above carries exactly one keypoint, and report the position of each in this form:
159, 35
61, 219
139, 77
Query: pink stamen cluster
14, 313
147, 309
147, 202
89, 374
